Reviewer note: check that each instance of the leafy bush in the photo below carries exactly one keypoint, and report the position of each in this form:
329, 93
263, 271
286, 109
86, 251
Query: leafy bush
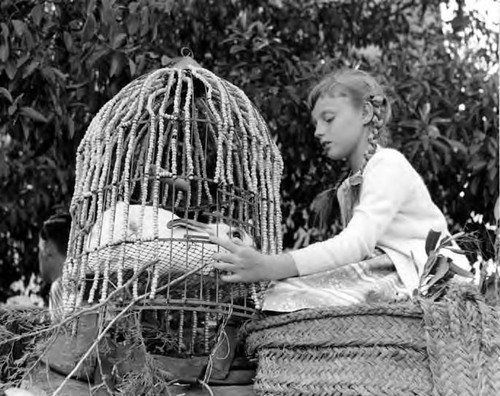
61, 61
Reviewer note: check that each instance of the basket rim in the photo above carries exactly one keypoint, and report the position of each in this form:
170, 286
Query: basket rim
407, 309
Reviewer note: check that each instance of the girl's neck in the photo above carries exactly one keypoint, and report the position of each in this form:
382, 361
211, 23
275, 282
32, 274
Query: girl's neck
357, 158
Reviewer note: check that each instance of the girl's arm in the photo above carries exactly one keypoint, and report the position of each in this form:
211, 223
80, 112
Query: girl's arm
248, 265
387, 183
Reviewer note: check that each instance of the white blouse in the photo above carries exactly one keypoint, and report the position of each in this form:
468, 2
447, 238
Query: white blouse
394, 214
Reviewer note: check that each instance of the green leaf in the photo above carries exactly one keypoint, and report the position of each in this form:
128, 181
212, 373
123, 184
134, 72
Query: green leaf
433, 131
37, 14
28, 70
90, 6
133, 24
5, 31
429, 266
97, 54
28, 39
68, 40
11, 69
33, 114
71, 127
119, 40
235, 49
457, 146
441, 120
132, 67
4, 52
89, 28
22, 60
144, 21
133, 6
58, 73
414, 124
6, 94
431, 241
455, 250
478, 165
117, 64
458, 235
26, 130
442, 268
460, 271
424, 112
433, 160
19, 27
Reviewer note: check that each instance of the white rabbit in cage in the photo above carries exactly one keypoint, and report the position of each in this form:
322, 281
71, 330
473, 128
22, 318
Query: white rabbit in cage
169, 226
186, 242
112, 232
18, 392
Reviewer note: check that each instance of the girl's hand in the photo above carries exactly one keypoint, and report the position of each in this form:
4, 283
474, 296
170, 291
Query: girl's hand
245, 264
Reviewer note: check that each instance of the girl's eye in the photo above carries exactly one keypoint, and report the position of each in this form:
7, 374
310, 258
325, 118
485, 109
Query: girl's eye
328, 120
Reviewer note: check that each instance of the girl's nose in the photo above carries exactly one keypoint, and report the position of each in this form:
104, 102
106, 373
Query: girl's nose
318, 132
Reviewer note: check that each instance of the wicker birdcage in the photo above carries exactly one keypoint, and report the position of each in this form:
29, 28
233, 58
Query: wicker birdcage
177, 154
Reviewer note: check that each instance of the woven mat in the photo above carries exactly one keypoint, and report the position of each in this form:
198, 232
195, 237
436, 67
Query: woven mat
446, 348
463, 344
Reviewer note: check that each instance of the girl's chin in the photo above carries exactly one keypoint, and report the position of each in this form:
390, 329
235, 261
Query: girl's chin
335, 154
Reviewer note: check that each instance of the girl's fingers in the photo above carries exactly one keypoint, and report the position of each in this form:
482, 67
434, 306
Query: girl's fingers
237, 241
224, 266
231, 278
223, 242
225, 257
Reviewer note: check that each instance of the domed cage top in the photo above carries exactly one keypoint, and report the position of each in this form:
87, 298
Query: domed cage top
176, 155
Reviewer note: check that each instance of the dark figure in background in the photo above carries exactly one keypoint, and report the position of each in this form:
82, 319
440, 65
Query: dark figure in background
52, 247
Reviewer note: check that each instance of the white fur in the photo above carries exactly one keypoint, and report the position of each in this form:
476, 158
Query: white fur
111, 234
18, 392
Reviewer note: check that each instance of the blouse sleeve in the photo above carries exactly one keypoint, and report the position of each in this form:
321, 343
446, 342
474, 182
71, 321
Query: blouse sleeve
387, 183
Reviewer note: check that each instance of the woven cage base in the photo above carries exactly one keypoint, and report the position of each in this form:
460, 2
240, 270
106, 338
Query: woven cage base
166, 260
450, 347
174, 256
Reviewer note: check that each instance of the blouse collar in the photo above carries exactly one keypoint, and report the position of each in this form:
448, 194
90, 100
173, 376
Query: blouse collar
357, 178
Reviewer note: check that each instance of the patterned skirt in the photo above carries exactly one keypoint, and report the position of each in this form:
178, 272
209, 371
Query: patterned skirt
368, 281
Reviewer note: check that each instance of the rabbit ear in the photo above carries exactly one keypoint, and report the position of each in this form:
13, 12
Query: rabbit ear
192, 225
176, 223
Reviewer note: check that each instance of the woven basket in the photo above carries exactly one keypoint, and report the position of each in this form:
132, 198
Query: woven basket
445, 348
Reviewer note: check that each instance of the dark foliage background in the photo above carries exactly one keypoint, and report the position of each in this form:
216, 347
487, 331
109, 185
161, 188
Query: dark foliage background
60, 61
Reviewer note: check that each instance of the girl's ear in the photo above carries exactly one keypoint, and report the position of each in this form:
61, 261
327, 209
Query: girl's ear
367, 113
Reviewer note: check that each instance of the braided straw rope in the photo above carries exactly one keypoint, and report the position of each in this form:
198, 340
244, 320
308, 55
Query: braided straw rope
463, 344
450, 347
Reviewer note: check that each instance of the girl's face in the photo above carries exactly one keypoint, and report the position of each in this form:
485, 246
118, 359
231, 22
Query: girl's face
339, 126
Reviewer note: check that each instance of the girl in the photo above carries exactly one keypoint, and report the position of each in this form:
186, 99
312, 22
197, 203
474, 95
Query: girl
386, 210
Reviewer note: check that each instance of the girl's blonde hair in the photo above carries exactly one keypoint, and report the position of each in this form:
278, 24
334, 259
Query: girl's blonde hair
359, 87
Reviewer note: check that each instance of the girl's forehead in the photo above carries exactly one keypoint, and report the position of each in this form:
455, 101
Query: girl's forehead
330, 103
